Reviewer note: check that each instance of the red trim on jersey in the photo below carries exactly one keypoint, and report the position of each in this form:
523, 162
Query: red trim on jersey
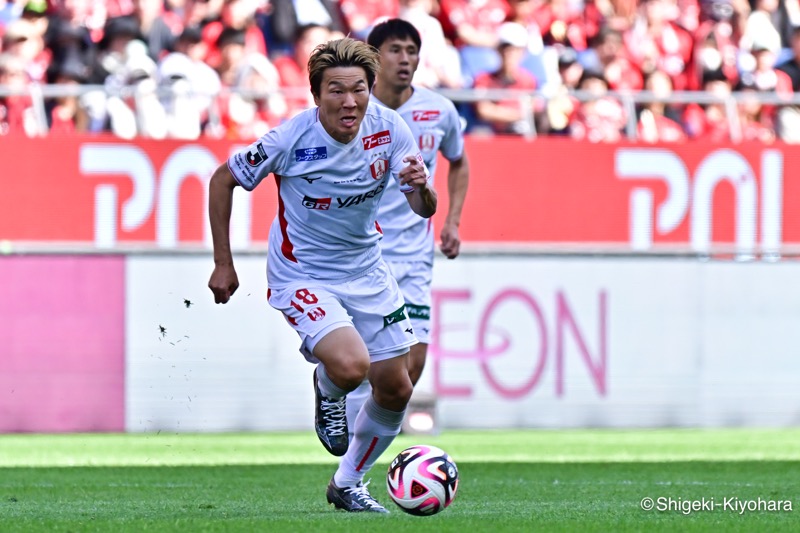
269, 293
378, 227
287, 248
366, 455
430, 223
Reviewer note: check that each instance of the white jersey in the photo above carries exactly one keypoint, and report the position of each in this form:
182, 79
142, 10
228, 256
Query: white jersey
436, 126
328, 193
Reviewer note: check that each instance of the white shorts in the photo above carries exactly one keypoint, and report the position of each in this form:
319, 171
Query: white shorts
414, 279
372, 304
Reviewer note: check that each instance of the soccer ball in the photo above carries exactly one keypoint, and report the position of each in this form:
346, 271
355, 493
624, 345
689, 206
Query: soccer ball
422, 480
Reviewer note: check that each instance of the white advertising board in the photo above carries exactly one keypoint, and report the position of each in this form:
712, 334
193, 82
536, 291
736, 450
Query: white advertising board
516, 342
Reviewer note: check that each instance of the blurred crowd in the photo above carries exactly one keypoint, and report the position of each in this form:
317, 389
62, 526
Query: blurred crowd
236, 68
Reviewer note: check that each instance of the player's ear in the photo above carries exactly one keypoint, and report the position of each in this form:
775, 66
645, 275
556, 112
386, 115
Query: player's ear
316, 99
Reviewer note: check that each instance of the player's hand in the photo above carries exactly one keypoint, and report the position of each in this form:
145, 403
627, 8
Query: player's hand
451, 242
223, 283
415, 174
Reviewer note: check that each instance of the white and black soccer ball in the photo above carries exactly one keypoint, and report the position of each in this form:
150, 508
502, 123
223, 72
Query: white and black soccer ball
422, 480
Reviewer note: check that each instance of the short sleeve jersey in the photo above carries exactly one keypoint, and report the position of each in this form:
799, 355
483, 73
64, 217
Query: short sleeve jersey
328, 193
436, 126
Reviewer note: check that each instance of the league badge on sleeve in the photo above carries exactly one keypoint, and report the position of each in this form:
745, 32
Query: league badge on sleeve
256, 155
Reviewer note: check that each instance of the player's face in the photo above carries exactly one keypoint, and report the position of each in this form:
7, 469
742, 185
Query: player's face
342, 100
399, 62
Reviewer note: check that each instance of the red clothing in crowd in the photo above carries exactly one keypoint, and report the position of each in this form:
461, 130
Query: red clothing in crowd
564, 23
487, 18
361, 14
253, 41
622, 75
658, 128
494, 80
702, 125
673, 52
294, 77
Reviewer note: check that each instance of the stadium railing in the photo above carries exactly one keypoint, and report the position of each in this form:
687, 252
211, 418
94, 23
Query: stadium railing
528, 100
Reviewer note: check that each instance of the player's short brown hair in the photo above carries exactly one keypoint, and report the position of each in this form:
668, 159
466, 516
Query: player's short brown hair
345, 52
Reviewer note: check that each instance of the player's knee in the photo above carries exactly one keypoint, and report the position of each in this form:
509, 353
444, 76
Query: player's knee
351, 372
394, 394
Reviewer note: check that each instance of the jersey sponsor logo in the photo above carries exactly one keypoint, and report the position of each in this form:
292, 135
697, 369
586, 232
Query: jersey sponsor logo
357, 199
311, 154
317, 203
395, 316
418, 311
427, 141
310, 180
376, 139
378, 168
419, 115
256, 155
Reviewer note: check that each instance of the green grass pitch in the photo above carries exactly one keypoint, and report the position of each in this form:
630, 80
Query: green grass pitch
511, 481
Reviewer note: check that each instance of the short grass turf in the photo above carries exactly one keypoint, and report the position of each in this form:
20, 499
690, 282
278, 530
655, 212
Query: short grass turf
511, 481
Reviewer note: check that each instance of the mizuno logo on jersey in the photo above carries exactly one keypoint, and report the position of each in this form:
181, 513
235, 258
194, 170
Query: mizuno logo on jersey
309, 179
311, 154
256, 155
376, 139
358, 198
425, 116
317, 203
395, 316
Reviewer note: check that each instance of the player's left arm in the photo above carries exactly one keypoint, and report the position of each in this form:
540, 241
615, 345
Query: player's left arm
421, 197
457, 183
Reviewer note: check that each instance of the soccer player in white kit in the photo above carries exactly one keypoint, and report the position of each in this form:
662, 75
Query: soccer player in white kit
407, 243
325, 272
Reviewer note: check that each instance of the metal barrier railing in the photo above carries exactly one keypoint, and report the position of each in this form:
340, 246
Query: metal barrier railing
528, 100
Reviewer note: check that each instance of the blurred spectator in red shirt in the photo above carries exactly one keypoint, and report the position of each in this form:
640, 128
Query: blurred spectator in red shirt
608, 55
656, 42
293, 69
710, 121
600, 119
65, 114
239, 15
361, 15
755, 121
563, 22
507, 116
17, 113
654, 124
472, 26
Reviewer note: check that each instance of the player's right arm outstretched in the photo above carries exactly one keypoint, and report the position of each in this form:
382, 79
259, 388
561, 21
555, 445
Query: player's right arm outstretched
224, 281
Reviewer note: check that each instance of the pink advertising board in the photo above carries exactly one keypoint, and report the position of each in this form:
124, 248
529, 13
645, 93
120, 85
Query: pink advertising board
62, 360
